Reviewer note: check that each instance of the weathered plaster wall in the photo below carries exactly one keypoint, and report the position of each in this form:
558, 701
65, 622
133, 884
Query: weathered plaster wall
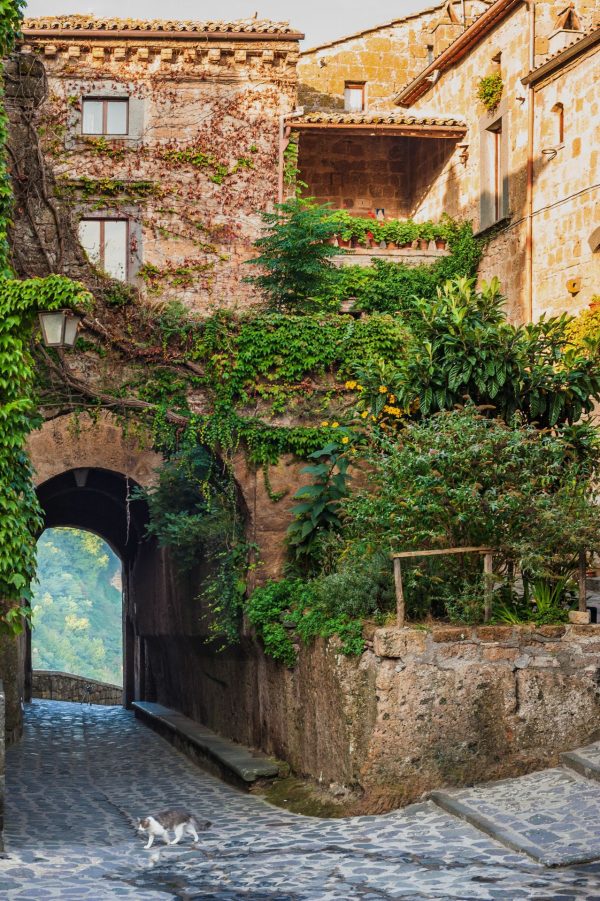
56, 686
566, 200
224, 99
418, 710
385, 57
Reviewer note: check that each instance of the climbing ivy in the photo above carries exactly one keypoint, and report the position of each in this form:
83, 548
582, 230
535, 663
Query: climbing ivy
20, 515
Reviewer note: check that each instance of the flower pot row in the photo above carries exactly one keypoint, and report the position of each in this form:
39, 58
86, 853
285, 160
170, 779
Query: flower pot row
417, 244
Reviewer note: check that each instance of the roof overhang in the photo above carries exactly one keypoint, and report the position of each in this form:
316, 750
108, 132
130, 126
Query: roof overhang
488, 20
563, 58
409, 131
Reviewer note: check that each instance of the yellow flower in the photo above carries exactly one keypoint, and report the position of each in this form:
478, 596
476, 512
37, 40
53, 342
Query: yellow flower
345, 440
392, 398
359, 388
350, 385
383, 389
324, 424
335, 425
364, 414
374, 418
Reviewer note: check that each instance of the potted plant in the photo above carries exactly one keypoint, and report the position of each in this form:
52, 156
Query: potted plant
440, 236
426, 234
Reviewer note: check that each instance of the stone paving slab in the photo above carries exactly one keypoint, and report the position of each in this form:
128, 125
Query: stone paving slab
552, 815
82, 773
245, 763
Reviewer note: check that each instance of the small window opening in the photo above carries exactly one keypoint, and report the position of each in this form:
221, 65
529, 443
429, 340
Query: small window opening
106, 243
354, 96
497, 165
559, 123
105, 116
429, 54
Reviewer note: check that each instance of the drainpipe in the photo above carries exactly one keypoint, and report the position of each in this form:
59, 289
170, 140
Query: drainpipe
283, 138
530, 141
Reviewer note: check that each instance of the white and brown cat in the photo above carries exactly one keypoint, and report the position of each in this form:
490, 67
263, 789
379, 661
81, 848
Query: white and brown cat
178, 821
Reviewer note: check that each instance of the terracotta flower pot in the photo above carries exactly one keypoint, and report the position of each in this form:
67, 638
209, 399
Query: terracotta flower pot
423, 244
440, 243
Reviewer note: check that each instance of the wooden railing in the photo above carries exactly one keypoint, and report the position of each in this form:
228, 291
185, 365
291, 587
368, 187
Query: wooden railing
487, 572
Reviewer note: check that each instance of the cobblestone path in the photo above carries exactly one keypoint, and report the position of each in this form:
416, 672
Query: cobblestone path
81, 772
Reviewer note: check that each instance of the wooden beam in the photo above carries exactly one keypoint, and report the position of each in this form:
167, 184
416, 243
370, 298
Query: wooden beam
488, 578
451, 132
400, 606
582, 581
449, 550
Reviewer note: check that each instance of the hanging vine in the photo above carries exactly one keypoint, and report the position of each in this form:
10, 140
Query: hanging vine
20, 515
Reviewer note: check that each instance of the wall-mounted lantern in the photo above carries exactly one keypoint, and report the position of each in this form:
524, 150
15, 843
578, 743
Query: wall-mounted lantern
59, 327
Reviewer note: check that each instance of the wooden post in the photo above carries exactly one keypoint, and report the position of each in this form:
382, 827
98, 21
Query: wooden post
400, 610
582, 581
488, 587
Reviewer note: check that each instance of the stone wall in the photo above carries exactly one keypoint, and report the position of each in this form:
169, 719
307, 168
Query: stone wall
357, 173
55, 686
204, 138
420, 709
566, 199
460, 183
385, 57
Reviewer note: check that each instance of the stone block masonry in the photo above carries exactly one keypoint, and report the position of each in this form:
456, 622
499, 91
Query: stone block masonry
420, 709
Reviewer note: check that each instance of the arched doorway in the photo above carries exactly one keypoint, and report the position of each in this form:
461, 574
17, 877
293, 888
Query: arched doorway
77, 615
103, 502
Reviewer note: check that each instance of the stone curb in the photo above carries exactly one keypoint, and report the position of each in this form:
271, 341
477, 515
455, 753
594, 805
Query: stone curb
503, 834
580, 764
235, 763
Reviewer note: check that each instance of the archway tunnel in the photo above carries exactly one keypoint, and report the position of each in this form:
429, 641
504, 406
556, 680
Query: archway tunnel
102, 502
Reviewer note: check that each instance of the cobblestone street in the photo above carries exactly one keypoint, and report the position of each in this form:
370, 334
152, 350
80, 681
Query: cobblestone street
82, 772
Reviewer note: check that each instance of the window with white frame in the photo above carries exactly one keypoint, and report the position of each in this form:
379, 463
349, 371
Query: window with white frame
105, 116
354, 96
106, 243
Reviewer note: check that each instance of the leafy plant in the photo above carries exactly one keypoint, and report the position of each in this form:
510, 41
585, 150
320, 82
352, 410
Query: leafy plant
320, 501
295, 256
489, 91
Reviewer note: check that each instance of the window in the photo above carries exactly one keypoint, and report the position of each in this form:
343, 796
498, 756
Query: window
429, 54
559, 123
496, 171
105, 116
494, 191
354, 96
106, 243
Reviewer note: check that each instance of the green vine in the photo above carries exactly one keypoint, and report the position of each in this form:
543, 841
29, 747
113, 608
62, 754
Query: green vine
489, 91
20, 301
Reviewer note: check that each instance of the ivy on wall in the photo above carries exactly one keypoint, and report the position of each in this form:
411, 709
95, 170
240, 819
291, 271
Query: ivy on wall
20, 515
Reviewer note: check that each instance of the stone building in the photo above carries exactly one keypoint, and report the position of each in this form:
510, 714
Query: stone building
526, 173
164, 139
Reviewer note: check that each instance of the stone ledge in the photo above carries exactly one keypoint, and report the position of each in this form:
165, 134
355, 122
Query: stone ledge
234, 763
54, 685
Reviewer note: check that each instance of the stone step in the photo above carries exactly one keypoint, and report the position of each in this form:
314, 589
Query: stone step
552, 816
585, 761
234, 763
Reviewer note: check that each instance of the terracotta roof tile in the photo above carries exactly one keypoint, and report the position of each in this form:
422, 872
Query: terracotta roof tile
378, 118
89, 23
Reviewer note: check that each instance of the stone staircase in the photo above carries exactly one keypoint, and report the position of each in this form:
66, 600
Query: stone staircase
553, 816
